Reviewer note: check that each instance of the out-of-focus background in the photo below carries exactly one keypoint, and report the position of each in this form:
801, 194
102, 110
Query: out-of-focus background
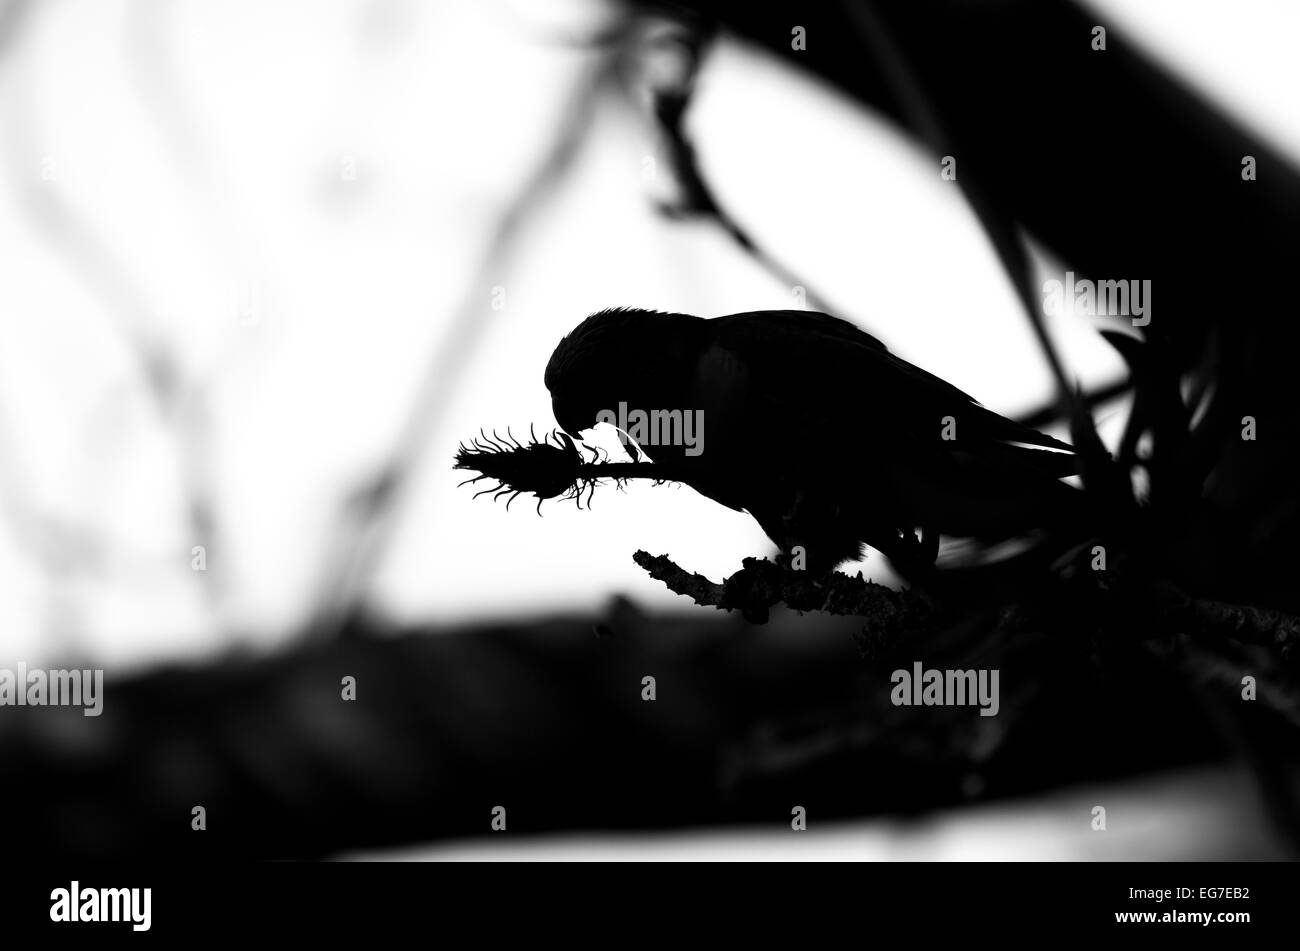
264, 265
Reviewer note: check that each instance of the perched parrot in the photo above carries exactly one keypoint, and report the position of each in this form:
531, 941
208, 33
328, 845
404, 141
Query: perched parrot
816, 430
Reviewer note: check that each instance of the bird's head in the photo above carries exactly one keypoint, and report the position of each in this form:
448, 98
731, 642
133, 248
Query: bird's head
642, 358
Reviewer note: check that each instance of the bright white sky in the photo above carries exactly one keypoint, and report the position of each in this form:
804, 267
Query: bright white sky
292, 200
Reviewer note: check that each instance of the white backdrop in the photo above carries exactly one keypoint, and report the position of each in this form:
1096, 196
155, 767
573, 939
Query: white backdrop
234, 236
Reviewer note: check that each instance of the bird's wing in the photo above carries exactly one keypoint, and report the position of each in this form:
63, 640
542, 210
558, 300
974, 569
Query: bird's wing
826, 379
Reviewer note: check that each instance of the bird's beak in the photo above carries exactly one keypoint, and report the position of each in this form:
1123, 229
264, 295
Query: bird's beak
570, 416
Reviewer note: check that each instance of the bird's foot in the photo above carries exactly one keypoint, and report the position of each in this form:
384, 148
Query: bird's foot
914, 555
927, 545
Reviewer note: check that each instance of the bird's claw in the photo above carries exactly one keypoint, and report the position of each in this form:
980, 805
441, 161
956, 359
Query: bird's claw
926, 546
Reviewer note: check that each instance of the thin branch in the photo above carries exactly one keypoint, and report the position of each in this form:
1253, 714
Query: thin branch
1002, 229
1046, 415
760, 584
696, 198
371, 518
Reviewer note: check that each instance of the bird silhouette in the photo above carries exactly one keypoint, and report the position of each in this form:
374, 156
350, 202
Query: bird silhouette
814, 428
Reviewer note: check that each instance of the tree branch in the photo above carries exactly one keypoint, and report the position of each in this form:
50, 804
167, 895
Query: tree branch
760, 584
